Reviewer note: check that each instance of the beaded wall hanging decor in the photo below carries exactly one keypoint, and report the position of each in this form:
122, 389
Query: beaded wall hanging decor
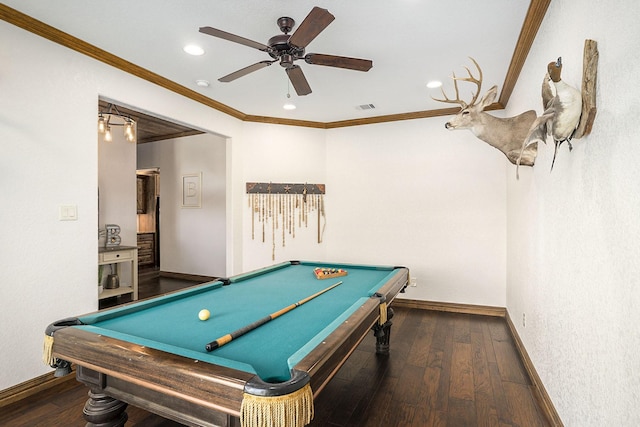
286, 207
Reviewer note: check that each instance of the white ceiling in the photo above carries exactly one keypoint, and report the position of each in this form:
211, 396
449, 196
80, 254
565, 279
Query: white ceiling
409, 41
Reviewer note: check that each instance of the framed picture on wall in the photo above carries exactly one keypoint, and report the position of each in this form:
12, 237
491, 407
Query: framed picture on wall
192, 190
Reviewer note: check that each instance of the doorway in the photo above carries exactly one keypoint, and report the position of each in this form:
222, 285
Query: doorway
190, 243
148, 219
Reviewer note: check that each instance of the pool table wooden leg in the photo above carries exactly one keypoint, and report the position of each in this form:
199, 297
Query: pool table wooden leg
104, 411
383, 333
100, 410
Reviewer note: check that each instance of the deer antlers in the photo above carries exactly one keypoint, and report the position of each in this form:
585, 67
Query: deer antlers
471, 79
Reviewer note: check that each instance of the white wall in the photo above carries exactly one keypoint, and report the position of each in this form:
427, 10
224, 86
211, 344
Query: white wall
49, 158
573, 233
49, 143
414, 194
192, 240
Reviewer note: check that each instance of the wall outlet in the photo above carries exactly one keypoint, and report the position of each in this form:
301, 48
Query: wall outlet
413, 282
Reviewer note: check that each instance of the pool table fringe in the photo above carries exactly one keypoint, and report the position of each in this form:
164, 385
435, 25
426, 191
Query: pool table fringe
383, 313
47, 348
291, 410
47, 351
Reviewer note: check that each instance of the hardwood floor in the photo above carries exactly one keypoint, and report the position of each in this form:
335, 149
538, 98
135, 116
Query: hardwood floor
444, 369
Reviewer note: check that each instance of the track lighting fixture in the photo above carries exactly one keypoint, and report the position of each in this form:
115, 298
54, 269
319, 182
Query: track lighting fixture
113, 117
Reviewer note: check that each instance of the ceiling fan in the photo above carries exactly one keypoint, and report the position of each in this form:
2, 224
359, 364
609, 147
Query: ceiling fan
288, 48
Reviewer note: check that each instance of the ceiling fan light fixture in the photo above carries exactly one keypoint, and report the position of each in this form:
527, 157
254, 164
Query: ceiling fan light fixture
193, 49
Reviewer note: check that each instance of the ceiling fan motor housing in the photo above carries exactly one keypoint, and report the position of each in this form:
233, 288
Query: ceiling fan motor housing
279, 47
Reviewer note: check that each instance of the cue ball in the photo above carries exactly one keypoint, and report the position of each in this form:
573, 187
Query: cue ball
204, 314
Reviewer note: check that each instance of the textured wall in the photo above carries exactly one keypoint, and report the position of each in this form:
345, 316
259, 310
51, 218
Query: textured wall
573, 263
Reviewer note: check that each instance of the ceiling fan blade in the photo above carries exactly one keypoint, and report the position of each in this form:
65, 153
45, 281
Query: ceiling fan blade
339, 61
244, 71
233, 38
298, 80
316, 21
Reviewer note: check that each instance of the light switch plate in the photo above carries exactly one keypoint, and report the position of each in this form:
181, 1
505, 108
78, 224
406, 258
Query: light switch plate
68, 213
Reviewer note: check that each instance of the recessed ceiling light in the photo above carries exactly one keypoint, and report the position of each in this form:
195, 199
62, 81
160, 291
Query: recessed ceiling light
434, 84
289, 106
192, 49
202, 83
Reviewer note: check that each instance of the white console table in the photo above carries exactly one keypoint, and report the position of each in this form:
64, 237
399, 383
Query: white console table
117, 256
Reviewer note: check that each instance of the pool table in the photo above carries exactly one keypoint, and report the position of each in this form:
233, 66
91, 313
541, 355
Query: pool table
151, 353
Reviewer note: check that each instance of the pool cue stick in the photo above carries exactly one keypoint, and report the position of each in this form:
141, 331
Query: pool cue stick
238, 333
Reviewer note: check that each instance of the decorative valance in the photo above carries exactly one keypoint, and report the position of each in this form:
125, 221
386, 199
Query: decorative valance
283, 207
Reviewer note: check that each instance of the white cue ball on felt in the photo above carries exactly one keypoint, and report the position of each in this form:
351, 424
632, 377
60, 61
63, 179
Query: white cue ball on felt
204, 314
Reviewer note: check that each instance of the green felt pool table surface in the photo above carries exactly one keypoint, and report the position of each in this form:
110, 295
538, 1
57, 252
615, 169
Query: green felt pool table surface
171, 323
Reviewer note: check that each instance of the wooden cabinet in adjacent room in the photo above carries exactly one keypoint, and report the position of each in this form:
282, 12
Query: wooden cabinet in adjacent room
142, 194
146, 249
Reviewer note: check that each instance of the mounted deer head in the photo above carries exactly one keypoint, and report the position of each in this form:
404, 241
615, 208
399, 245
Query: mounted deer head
507, 135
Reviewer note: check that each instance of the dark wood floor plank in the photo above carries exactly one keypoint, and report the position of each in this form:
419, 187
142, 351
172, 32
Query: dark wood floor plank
419, 353
26, 418
427, 394
461, 384
499, 396
372, 377
379, 409
488, 341
328, 399
357, 359
462, 412
404, 415
412, 381
462, 328
510, 366
498, 329
443, 330
404, 333
442, 393
522, 405
487, 415
351, 394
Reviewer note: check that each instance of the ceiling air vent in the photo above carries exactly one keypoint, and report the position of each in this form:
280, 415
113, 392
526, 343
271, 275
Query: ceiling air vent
366, 107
